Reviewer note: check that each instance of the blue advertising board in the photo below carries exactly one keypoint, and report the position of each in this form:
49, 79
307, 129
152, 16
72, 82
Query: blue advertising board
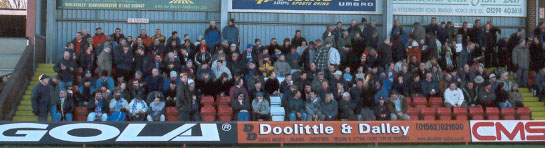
306, 6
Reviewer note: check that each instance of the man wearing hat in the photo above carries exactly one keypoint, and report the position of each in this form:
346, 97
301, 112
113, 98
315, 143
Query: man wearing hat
203, 56
40, 98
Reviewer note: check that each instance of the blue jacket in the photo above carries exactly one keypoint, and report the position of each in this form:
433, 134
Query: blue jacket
167, 82
230, 33
154, 83
109, 81
428, 86
212, 37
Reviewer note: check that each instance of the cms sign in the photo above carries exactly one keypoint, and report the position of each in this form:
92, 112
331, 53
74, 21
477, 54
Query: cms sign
507, 130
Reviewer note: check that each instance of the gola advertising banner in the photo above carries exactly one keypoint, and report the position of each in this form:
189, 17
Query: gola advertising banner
307, 6
354, 132
507, 130
173, 5
118, 133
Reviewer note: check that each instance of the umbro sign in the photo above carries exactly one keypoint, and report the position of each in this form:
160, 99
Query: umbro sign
117, 133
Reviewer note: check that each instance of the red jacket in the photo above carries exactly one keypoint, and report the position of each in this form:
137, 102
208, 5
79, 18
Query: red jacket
98, 39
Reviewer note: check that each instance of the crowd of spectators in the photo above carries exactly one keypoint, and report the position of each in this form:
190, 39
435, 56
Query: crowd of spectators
348, 74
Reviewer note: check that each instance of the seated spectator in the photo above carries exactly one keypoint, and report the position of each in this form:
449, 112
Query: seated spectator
154, 82
272, 84
241, 108
155, 94
296, 107
65, 107
238, 88
487, 96
119, 106
98, 108
66, 68
85, 91
502, 97
138, 109
156, 111
454, 96
260, 108
347, 107
329, 109
266, 66
312, 107
105, 80
381, 110
397, 105
220, 69
88, 74
504, 78
281, 67
515, 96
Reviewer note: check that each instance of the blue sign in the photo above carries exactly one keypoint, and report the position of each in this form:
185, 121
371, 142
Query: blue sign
305, 6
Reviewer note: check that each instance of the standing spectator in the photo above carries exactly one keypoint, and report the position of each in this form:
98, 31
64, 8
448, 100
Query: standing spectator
463, 57
260, 108
212, 35
369, 30
343, 40
158, 35
397, 105
54, 90
334, 58
521, 60
478, 37
328, 34
312, 107
241, 108
454, 97
419, 32
540, 83
354, 29
105, 81
145, 38
65, 106
98, 108
174, 38
339, 31
347, 107
66, 69
432, 27
238, 88
156, 110
514, 40
515, 97
124, 63
98, 38
491, 39
220, 69
79, 44
321, 58
105, 60
385, 52
442, 33
298, 39
183, 100
40, 98
231, 32
119, 106
117, 35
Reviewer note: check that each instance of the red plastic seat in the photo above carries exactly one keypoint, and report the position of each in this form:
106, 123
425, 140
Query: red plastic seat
460, 113
492, 113
171, 113
223, 101
476, 113
428, 113
524, 113
420, 102
225, 113
81, 114
208, 113
409, 101
508, 113
436, 102
207, 100
444, 113
413, 113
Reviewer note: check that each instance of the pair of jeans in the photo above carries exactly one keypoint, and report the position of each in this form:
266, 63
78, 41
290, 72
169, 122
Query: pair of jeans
522, 76
53, 112
243, 116
93, 115
293, 116
162, 118
504, 104
58, 117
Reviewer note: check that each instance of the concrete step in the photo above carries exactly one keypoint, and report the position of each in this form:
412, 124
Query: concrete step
523, 90
24, 107
24, 113
538, 114
537, 109
12, 45
45, 65
26, 102
527, 94
31, 118
533, 104
530, 99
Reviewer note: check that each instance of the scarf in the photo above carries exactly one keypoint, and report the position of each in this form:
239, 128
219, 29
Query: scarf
98, 109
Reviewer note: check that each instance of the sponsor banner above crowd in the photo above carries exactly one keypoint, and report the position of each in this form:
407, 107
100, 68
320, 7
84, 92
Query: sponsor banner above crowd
513, 8
314, 6
172, 5
508, 130
354, 132
118, 133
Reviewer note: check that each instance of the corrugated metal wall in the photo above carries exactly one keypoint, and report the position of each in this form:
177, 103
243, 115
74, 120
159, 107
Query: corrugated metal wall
69, 22
279, 25
508, 25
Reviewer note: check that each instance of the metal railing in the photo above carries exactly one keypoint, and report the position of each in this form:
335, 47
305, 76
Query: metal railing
14, 89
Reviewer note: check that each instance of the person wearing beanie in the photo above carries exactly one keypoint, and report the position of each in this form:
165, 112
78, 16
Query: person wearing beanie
231, 32
40, 98
138, 108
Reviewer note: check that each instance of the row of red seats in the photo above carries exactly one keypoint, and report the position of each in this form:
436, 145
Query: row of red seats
461, 113
208, 111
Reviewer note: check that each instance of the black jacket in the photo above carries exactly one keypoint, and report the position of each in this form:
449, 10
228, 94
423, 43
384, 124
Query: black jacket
91, 107
68, 106
40, 99
67, 75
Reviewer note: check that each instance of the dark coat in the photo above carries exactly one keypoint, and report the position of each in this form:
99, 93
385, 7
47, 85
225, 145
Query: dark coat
40, 99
